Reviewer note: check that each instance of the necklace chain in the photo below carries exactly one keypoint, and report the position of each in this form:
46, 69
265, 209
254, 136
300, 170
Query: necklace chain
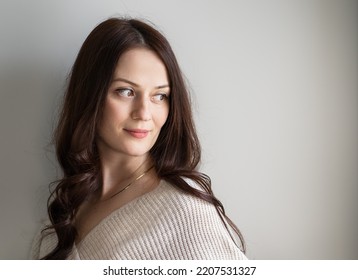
127, 186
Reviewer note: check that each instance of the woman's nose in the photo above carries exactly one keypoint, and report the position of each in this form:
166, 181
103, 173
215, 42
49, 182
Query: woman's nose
141, 110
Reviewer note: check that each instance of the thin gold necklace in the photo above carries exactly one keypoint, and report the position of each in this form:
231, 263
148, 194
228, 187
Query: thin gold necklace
127, 186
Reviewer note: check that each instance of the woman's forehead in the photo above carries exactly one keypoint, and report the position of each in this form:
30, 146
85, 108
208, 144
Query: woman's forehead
141, 66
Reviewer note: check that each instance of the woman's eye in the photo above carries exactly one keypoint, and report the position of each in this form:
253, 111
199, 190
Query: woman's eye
125, 92
160, 97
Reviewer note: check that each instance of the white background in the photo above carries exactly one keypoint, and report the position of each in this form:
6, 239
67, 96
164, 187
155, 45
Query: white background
275, 96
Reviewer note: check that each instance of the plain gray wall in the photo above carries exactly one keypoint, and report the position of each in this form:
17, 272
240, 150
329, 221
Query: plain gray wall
275, 98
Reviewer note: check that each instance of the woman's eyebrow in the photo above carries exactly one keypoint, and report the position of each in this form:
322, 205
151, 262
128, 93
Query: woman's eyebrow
134, 84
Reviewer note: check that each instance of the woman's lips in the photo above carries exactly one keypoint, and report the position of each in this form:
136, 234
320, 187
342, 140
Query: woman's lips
137, 133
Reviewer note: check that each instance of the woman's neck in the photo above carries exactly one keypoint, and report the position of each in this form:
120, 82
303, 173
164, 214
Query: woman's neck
120, 171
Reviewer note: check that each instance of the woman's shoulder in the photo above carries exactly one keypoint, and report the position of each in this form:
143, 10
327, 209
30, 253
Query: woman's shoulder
176, 196
198, 224
177, 190
169, 203
178, 199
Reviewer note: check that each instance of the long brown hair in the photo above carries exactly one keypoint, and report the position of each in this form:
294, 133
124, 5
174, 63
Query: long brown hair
176, 153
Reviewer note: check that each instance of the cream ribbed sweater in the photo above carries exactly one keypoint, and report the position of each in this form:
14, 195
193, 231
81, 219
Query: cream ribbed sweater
165, 223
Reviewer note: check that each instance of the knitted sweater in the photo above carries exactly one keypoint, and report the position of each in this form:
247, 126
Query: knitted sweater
165, 223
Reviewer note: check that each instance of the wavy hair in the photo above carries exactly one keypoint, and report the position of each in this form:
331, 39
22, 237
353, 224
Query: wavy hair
176, 153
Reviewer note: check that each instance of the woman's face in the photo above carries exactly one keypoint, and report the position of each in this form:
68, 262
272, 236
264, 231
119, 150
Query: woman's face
136, 106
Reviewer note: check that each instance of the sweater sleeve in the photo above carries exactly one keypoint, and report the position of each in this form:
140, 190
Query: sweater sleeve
200, 232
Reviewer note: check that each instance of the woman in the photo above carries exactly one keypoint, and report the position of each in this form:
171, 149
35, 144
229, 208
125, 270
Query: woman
128, 149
